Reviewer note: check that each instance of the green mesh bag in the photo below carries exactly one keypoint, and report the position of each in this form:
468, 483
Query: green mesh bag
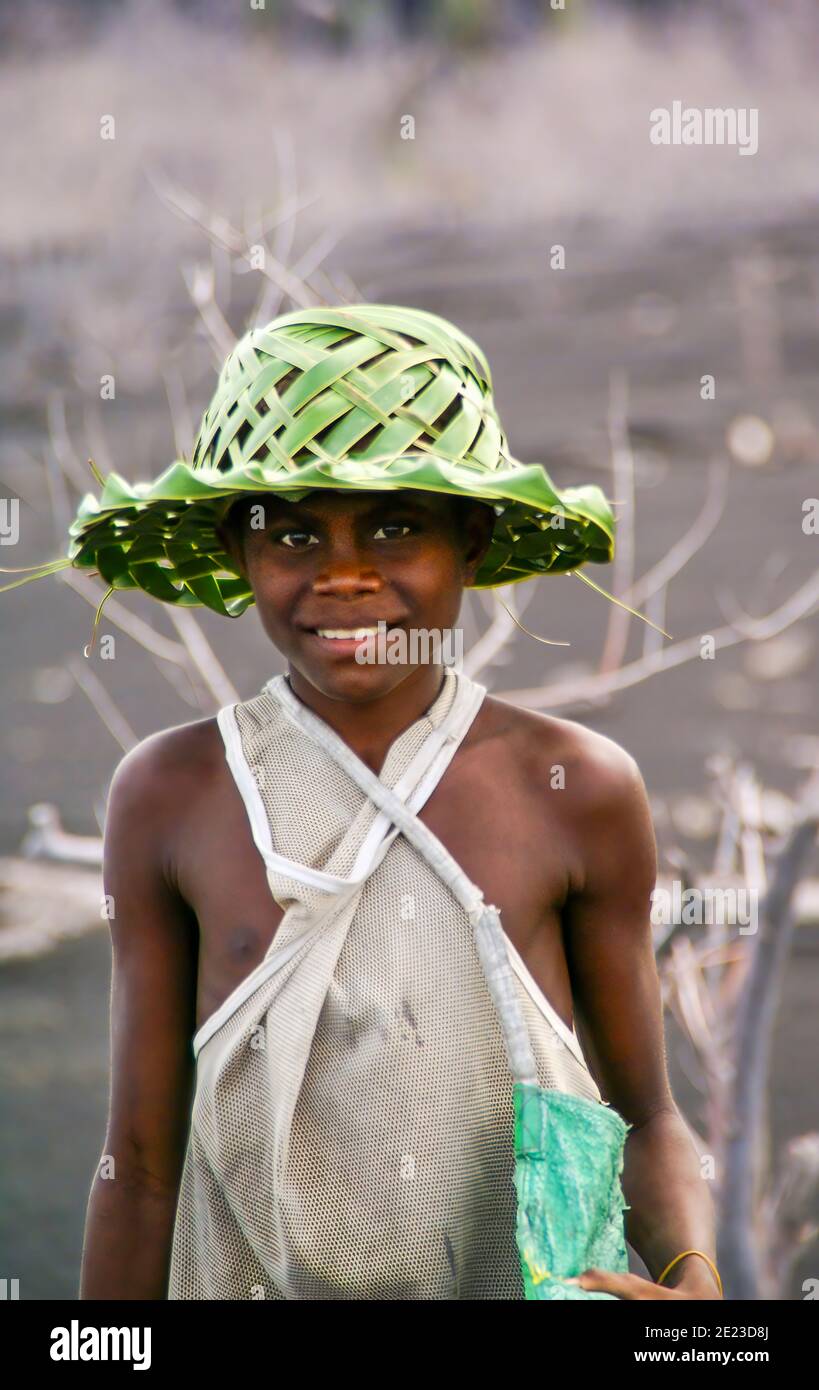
568, 1163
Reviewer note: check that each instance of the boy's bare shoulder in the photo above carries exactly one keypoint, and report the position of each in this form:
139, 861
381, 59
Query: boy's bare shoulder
167, 770
553, 753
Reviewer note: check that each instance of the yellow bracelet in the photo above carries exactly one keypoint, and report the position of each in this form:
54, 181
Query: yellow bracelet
702, 1256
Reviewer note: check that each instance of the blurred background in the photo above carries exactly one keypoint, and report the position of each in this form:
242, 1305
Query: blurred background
177, 171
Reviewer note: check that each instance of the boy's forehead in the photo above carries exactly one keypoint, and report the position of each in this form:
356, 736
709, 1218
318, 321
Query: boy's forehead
338, 500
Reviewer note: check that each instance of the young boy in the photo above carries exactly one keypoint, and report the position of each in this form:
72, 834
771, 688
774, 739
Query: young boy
309, 1092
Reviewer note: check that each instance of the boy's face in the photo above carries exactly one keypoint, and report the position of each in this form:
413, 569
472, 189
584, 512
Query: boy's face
345, 560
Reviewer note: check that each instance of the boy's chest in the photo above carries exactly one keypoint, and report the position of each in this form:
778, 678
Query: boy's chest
508, 841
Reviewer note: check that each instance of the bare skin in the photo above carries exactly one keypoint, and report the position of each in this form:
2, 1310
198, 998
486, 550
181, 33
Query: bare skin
571, 869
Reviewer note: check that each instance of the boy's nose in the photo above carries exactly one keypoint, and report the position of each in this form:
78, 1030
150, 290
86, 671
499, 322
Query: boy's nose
347, 578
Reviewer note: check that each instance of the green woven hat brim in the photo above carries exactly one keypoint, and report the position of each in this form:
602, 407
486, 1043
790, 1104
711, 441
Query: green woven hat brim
160, 537
363, 396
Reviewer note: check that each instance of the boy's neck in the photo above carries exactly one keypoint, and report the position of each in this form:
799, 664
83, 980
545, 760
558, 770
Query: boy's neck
370, 727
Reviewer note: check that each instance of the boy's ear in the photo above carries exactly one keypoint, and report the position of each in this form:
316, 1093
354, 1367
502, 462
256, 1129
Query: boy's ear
226, 534
479, 524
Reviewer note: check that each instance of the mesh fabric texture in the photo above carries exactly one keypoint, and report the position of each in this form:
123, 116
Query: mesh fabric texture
352, 1131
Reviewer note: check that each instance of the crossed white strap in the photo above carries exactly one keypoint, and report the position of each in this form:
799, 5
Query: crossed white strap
485, 919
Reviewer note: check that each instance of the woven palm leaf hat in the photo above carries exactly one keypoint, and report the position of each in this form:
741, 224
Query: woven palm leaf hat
357, 397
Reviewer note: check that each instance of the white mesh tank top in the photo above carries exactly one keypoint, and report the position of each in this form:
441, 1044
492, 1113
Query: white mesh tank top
352, 1126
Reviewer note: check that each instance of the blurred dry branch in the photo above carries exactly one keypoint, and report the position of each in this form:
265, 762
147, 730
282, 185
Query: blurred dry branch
724, 989
38, 911
622, 464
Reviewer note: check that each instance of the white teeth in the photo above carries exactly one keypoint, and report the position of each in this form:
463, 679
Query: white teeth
348, 632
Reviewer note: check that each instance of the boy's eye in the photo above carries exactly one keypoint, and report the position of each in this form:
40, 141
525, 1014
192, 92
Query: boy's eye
286, 538
300, 540
391, 526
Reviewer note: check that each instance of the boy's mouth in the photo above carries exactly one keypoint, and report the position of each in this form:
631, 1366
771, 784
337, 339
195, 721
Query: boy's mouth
345, 640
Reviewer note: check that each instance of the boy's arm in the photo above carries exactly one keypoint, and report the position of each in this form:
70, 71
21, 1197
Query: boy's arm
617, 996
129, 1224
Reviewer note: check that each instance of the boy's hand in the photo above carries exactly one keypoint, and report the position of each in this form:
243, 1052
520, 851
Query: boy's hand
693, 1284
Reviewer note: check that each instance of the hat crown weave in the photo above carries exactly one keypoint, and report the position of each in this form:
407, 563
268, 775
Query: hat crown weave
369, 382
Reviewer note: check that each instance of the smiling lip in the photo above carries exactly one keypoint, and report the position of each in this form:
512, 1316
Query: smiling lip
353, 638
351, 629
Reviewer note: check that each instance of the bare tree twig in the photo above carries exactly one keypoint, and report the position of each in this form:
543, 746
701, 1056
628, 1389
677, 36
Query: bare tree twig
93, 687
200, 280
684, 550
119, 616
181, 419
619, 623
203, 657
64, 450
224, 234
598, 687
784, 1208
500, 631
797, 606
741, 1259
312, 259
655, 606
271, 294
94, 434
